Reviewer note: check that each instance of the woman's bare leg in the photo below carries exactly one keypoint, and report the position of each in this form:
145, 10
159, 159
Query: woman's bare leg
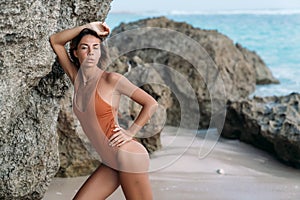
134, 165
102, 183
136, 186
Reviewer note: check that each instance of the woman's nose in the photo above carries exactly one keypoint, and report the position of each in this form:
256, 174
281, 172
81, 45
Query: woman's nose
91, 52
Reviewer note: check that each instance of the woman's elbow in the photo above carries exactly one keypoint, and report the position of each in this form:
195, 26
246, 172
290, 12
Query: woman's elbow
153, 107
54, 41
51, 41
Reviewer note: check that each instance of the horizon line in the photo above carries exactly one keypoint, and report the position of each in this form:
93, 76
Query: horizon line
271, 11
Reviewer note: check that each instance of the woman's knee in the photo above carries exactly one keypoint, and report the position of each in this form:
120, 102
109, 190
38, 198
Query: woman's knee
133, 157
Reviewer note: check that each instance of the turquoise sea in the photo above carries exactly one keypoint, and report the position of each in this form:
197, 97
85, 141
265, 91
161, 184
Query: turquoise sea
274, 35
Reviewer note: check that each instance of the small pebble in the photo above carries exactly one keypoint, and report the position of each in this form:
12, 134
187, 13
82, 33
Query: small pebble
220, 171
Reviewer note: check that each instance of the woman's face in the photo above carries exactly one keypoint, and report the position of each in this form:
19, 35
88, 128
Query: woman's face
88, 51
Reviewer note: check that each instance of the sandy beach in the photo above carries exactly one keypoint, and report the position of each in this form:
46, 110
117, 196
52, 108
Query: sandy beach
231, 171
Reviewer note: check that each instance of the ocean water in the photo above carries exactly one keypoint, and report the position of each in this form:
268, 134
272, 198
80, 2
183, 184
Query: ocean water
274, 35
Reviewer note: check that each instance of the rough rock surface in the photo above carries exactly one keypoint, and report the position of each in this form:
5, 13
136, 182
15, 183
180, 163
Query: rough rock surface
270, 123
263, 74
31, 91
238, 67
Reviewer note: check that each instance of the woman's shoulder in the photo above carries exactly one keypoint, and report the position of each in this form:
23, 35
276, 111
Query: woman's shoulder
113, 77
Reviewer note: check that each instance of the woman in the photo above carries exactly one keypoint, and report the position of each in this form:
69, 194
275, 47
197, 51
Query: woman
96, 99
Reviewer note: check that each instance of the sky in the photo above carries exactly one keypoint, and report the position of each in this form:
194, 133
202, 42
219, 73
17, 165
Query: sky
200, 5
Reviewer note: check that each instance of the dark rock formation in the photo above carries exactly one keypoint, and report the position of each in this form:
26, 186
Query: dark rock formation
270, 123
236, 66
31, 91
263, 74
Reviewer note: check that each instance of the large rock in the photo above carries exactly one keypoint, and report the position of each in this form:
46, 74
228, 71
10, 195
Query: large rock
31, 89
270, 123
263, 74
234, 65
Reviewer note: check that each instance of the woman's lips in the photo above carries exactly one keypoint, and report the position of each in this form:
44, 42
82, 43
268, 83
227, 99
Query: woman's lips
89, 60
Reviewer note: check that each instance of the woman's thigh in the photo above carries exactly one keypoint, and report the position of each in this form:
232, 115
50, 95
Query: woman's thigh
133, 158
102, 183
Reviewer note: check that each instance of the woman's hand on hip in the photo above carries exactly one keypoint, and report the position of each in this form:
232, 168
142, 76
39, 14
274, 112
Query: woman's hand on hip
120, 137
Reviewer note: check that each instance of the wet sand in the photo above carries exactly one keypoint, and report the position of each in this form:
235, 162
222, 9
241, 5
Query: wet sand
231, 171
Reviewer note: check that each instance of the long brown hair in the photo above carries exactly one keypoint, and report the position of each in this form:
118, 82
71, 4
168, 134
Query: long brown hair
75, 42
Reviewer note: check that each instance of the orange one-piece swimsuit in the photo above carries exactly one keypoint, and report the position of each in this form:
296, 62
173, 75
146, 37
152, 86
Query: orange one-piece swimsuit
105, 115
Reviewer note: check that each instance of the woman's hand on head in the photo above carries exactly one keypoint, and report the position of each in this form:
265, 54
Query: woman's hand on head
101, 28
120, 137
